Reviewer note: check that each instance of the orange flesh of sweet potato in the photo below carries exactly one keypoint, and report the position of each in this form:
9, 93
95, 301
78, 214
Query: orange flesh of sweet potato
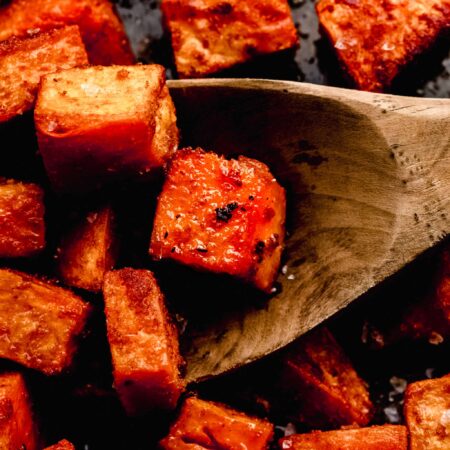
102, 123
101, 29
39, 322
61, 445
208, 425
223, 216
143, 342
22, 226
427, 414
23, 61
17, 428
374, 39
325, 387
386, 437
211, 35
87, 251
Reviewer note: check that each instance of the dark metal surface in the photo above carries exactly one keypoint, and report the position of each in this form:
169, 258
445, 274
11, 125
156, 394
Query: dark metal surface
314, 61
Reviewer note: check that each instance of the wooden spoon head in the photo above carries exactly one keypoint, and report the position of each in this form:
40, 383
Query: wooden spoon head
365, 176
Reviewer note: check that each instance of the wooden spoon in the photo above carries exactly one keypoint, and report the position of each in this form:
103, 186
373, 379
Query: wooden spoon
368, 178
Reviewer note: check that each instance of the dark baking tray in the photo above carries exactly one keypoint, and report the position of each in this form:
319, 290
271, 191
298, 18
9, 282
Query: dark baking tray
82, 407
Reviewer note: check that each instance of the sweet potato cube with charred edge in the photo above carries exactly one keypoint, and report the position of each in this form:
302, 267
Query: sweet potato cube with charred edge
39, 322
427, 406
207, 425
24, 61
61, 445
17, 427
87, 251
386, 437
101, 29
22, 226
212, 35
102, 123
323, 387
143, 342
223, 216
375, 39
428, 319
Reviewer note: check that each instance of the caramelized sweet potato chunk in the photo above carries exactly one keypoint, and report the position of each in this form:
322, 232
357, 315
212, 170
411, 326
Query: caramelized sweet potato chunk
87, 251
24, 61
17, 427
224, 216
102, 123
427, 319
208, 425
323, 387
427, 413
22, 226
143, 342
62, 445
386, 437
375, 39
101, 29
212, 35
39, 322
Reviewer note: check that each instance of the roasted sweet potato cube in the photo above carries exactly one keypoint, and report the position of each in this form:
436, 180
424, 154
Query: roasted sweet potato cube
62, 445
208, 425
386, 437
429, 318
22, 226
427, 406
17, 427
24, 61
375, 39
101, 29
101, 123
143, 342
223, 216
88, 250
212, 35
39, 322
323, 388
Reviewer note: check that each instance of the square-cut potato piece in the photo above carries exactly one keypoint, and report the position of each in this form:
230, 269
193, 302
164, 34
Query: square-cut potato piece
62, 445
212, 35
429, 318
101, 123
88, 250
17, 427
427, 414
323, 388
386, 437
22, 225
143, 341
101, 29
39, 322
23, 61
375, 39
223, 216
207, 425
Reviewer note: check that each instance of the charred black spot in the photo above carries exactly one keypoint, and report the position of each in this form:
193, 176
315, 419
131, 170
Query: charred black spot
259, 248
202, 250
166, 234
226, 213
222, 8
251, 198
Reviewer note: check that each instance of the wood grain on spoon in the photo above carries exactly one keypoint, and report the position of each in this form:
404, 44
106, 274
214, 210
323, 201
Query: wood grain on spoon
368, 177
